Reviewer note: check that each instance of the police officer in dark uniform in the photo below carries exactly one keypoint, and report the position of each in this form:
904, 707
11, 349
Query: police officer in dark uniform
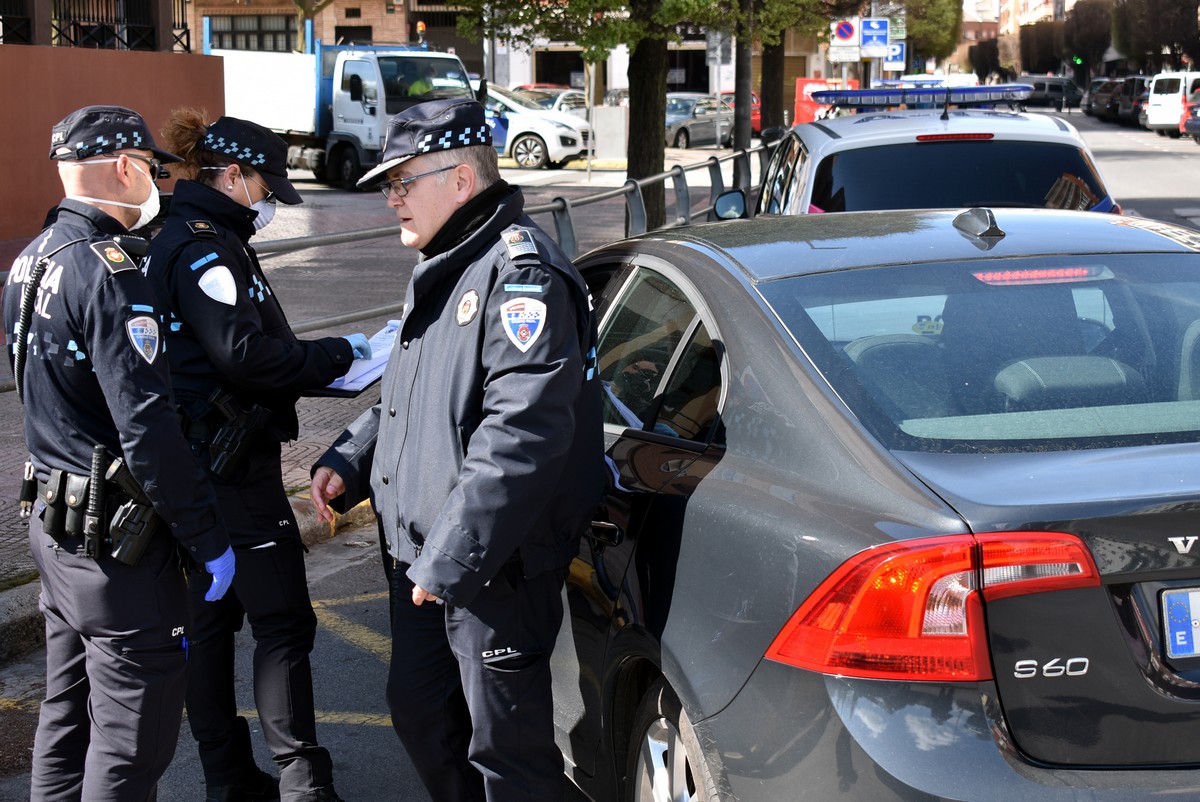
237, 370
484, 460
119, 499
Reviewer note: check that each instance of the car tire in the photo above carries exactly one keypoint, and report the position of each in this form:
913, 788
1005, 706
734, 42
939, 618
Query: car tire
665, 760
1173, 134
346, 170
682, 138
529, 151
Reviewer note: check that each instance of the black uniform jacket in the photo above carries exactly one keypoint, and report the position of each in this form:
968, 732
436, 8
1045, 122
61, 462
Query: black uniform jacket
488, 439
226, 328
95, 372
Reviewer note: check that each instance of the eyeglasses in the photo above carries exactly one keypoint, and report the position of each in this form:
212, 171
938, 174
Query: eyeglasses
156, 169
400, 185
270, 198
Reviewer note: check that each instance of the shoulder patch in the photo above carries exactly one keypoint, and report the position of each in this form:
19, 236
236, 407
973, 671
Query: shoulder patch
217, 283
202, 228
523, 320
519, 242
143, 334
114, 258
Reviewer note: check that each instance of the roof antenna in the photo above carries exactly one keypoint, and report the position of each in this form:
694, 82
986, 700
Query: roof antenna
946, 108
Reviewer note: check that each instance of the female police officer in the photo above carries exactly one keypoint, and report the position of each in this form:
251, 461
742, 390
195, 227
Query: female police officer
237, 370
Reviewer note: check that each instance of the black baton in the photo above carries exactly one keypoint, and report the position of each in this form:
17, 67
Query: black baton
93, 529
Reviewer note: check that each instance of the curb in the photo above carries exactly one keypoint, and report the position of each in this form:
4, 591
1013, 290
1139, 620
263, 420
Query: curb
21, 625
22, 629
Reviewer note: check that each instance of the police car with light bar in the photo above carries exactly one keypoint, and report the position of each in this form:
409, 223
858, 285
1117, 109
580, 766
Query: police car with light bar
928, 148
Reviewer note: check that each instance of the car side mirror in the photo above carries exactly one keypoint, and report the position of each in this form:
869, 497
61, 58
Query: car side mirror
772, 134
730, 205
356, 90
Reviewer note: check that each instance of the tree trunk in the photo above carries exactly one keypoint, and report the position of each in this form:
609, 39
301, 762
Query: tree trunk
742, 71
772, 86
647, 121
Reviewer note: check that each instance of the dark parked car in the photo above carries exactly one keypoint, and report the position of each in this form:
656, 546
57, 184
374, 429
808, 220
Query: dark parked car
1087, 105
1058, 93
1104, 106
1139, 107
903, 506
1189, 123
1127, 99
905, 159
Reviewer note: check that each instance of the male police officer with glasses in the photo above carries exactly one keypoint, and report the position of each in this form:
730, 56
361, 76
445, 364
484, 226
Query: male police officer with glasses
119, 498
484, 459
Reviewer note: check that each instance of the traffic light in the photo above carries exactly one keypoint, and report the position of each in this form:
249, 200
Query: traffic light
1077, 59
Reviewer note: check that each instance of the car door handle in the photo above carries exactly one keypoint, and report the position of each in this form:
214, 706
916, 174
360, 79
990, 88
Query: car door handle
606, 533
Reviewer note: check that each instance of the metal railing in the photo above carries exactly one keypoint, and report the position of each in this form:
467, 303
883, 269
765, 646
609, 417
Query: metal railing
560, 208
102, 24
16, 27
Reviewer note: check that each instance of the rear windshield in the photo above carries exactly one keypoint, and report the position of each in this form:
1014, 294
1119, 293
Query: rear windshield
1008, 355
1165, 86
969, 173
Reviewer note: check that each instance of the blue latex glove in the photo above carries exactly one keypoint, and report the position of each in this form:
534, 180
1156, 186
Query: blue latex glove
222, 570
360, 345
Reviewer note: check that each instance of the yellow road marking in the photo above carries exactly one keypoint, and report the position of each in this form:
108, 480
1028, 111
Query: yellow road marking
355, 634
361, 597
333, 717
18, 705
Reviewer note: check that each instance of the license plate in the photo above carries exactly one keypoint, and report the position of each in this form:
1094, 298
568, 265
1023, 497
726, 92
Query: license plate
1181, 612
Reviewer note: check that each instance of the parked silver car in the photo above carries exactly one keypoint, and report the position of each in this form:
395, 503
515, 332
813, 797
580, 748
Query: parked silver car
697, 119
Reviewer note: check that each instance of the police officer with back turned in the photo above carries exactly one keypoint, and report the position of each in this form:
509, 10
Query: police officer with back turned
121, 508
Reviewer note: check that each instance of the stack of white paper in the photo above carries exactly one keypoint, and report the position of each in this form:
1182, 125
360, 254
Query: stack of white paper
365, 372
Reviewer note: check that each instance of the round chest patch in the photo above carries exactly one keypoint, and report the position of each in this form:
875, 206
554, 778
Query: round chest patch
468, 307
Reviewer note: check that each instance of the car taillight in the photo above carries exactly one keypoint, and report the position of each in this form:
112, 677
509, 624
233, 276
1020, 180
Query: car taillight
912, 610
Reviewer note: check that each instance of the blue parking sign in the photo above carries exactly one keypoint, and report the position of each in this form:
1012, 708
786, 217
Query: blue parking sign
874, 37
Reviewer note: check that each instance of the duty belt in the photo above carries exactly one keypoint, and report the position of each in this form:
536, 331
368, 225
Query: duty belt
108, 509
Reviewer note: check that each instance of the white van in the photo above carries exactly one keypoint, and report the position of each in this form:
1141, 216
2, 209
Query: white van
1168, 91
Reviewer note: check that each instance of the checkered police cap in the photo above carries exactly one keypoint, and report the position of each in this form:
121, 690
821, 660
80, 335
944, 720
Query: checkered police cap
427, 128
94, 130
253, 146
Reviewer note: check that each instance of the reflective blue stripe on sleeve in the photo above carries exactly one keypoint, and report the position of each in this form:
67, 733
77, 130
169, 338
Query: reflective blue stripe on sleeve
202, 261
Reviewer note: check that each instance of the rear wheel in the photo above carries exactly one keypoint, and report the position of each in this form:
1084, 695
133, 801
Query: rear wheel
665, 761
681, 138
529, 151
346, 170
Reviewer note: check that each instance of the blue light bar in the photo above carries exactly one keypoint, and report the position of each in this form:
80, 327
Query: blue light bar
1001, 93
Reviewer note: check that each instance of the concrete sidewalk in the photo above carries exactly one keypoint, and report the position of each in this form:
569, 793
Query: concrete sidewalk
366, 274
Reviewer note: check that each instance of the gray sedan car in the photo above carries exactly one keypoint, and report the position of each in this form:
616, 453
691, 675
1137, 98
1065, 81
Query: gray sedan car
697, 119
903, 506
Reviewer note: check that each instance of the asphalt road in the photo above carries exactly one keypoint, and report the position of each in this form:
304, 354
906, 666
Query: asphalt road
1150, 175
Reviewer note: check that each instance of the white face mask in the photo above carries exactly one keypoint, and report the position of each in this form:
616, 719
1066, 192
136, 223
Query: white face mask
147, 209
266, 212
264, 207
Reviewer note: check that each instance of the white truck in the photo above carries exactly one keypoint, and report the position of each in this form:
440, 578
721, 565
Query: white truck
332, 106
